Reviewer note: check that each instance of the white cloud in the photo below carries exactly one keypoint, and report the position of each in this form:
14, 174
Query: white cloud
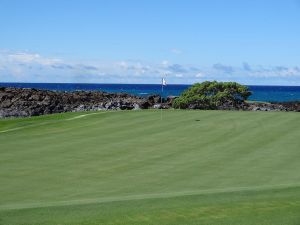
176, 51
23, 57
122, 65
199, 75
165, 63
33, 67
223, 68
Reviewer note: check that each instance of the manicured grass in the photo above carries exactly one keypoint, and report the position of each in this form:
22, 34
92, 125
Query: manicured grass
131, 167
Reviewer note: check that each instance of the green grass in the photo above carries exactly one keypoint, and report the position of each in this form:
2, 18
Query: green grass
131, 167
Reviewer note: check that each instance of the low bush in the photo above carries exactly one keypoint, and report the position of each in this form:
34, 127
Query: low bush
212, 95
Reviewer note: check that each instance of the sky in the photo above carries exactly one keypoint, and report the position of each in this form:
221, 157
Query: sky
139, 41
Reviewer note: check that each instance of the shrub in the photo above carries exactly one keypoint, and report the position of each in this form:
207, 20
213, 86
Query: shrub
212, 95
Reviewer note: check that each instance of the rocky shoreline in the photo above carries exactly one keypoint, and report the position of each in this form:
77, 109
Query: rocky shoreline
26, 102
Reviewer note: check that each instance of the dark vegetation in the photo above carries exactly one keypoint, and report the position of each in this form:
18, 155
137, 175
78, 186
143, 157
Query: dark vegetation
213, 95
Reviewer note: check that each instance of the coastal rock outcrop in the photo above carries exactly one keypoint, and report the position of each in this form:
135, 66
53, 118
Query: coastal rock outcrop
274, 106
22, 102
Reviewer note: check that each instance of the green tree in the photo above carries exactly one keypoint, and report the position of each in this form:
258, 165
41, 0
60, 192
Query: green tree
212, 95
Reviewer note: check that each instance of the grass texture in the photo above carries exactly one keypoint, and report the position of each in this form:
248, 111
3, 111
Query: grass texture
131, 167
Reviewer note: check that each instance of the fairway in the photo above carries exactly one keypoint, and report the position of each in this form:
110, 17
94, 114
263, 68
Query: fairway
131, 167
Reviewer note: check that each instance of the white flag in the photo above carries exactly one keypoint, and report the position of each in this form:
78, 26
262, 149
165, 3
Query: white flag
163, 82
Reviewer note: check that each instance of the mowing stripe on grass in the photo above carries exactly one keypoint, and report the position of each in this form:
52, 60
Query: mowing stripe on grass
146, 196
45, 123
84, 115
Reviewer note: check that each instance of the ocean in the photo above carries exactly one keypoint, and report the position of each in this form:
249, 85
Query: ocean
259, 93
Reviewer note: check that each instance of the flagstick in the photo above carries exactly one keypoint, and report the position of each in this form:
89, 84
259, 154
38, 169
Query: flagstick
162, 91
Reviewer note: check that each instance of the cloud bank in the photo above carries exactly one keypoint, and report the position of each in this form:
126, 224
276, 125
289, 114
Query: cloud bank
33, 67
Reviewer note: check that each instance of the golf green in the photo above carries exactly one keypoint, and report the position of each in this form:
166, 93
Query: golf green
141, 167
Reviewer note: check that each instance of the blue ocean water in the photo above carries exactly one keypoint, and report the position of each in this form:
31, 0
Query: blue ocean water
259, 93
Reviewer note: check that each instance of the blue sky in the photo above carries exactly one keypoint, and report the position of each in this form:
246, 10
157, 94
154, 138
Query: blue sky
138, 41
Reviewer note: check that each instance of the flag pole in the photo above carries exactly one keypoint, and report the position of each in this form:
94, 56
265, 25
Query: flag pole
162, 91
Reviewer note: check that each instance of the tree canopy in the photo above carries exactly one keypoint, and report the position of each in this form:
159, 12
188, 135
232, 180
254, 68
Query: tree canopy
212, 95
